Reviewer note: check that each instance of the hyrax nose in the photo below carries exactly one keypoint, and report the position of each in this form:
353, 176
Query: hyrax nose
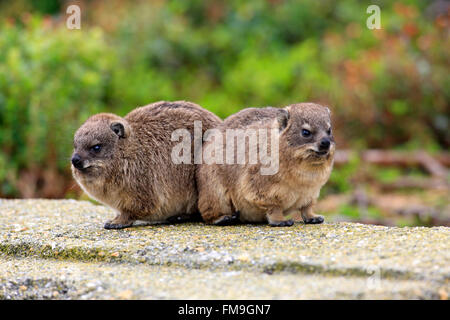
324, 144
76, 161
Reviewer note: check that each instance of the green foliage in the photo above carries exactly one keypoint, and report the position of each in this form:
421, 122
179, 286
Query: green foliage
341, 179
50, 81
387, 175
231, 55
349, 211
354, 212
386, 88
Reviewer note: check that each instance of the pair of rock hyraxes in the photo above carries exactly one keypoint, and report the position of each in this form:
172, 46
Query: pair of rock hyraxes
125, 163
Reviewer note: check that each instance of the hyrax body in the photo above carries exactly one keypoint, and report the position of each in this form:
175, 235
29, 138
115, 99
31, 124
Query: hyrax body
232, 192
125, 163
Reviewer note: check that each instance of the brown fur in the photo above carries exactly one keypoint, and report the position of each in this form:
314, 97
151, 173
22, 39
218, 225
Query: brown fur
133, 173
228, 189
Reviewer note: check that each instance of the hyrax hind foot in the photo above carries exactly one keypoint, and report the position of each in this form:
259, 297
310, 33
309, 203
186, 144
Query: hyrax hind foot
228, 220
119, 222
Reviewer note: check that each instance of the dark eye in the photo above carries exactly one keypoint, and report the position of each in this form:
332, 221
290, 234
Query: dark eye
329, 132
96, 148
306, 133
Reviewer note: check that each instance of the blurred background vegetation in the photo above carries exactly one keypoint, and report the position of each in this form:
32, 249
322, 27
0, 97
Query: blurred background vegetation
388, 89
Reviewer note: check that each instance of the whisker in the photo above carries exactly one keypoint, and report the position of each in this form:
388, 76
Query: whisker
72, 187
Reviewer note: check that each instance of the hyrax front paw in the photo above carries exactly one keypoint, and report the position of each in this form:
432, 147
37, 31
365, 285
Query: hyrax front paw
228, 220
111, 225
286, 223
120, 222
314, 220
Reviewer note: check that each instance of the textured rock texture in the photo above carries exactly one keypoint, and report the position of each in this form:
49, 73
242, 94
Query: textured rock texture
58, 249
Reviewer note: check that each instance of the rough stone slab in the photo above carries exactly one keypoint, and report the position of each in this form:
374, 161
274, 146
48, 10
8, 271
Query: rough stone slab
23, 278
416, 261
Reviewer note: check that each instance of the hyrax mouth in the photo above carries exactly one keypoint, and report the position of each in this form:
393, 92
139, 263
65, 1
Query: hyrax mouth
322, 153
317, 156
81, 170
80, 165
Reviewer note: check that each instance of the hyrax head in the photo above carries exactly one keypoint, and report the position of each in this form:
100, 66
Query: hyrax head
307, 129
95, 143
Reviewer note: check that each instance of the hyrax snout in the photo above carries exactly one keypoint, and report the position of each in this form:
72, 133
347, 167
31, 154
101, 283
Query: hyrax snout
301, 148
125, 163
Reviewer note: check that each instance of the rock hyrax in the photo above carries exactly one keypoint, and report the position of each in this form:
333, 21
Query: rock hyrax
232, 192
125, 163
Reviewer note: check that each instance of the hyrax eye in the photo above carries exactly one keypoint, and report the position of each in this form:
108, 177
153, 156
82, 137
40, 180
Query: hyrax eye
96, 148
329, 131
306, 133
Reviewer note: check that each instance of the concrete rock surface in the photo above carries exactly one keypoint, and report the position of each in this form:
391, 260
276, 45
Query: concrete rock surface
58, 249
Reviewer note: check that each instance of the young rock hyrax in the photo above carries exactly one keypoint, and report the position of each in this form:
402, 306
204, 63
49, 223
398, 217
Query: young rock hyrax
232, 192
125, 163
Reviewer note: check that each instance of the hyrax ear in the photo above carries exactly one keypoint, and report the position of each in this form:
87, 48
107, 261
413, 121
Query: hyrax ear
283, 119
121, 129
